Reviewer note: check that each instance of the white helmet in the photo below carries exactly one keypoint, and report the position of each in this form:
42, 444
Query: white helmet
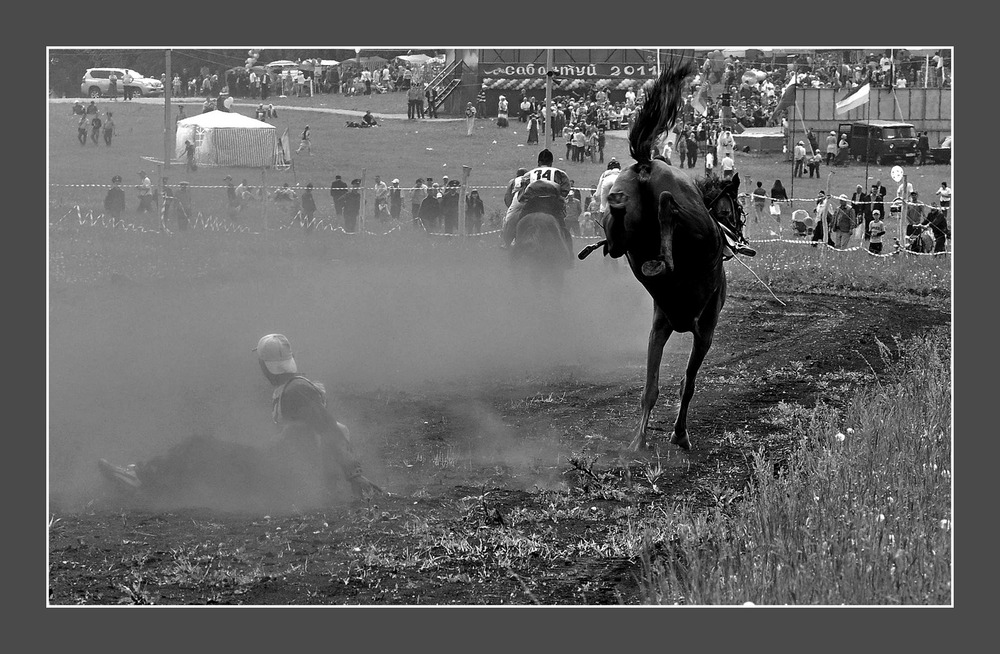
276, 353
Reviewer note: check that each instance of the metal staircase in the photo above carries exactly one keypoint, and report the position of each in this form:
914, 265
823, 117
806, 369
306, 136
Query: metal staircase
446, 81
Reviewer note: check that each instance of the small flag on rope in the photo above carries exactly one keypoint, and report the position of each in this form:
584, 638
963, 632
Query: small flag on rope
854, 99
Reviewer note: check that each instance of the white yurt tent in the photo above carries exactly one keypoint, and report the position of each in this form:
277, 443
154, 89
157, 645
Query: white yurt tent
223, 138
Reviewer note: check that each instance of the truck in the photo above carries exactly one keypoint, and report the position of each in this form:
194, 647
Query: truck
881, 141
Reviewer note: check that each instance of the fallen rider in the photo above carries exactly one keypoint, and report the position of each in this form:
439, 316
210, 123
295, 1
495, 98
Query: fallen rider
305, 465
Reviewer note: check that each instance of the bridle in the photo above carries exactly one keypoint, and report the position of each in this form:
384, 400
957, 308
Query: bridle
739, 213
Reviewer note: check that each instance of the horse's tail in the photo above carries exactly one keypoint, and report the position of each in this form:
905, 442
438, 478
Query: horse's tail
659, 111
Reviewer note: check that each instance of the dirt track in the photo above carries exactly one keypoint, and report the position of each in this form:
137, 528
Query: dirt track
486, 506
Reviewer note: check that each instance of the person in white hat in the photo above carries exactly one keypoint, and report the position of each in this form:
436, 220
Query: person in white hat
831, 148
300, 406
844, 222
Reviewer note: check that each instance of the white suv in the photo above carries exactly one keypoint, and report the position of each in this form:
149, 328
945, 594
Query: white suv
97, 80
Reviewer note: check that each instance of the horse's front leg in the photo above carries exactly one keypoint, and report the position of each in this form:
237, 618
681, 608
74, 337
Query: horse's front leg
658, 336
699, 349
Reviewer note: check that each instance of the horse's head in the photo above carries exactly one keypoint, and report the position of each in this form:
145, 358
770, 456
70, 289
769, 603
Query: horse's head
722, 200
655, 211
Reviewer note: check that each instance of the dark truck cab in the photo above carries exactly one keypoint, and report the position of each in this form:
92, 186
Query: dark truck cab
881, 141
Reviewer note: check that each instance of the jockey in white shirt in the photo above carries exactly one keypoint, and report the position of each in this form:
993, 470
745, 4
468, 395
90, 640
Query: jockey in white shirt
545, 174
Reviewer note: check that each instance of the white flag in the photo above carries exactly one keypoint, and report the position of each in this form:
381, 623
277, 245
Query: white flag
854, 100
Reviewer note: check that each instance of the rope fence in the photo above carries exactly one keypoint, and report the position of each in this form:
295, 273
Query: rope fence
287, 215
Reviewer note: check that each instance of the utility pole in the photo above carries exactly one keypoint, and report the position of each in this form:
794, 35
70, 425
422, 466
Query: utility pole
168, 133
547, 114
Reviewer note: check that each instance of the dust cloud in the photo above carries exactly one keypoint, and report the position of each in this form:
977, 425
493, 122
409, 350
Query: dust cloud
136, 368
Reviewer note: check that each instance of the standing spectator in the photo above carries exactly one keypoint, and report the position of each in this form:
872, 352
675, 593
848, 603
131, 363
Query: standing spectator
525, 109
81, 130
304, 142
114, 201
449, 206
778, 195
366, 78
692, 149
338, 188
189, 155
395, 200
95, 129
568, 136
430, 209
943, 193
815, 159
431, 94
474, 212
127, 88
183, 206
831, 148
843, 150
601, 140
176, 85
728, 166
145, 189
412, 97
579, 143
574, 208
381, 198
923, 145
937, 222
233, 204
417, 196
726, 145
532, 130
759, 202
861, 202
109, 130
682, 149
502, 112
352, 207
470, 119
876, 229
813, 141
877, 198
308, 209
113, 86
592, 143
481, 103
844, 222
800, 158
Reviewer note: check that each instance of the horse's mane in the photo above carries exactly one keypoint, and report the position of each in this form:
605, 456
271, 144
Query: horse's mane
659, 111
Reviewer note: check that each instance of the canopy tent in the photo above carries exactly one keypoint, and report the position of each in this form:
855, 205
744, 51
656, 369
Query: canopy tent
282, 63
223, 138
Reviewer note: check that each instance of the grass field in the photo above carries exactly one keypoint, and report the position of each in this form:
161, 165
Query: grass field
397, 149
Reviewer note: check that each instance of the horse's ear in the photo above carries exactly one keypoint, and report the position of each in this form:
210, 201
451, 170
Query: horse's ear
735, 183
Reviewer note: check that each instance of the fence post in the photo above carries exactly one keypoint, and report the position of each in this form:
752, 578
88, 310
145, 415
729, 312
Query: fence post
461, 203
364, 201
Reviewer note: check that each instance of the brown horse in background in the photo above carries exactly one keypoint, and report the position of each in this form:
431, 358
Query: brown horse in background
657, 218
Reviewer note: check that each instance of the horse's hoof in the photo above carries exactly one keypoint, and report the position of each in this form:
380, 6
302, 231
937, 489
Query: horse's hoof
654, 267
682, 442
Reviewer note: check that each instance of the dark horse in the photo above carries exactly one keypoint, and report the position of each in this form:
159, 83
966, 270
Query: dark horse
539, 246
658, 219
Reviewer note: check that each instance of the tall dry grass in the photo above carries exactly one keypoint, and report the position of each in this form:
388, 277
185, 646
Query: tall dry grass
860, 516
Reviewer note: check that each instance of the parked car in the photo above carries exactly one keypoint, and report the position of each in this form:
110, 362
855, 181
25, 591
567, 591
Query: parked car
881, 141
96, 82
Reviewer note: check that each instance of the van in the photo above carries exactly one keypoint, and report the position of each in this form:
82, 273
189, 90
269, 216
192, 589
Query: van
881, 141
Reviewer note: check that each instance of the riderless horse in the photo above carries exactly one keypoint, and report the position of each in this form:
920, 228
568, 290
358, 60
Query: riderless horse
658, 220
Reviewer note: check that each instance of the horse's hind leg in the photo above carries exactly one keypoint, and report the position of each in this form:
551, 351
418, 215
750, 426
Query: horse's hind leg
658, 336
